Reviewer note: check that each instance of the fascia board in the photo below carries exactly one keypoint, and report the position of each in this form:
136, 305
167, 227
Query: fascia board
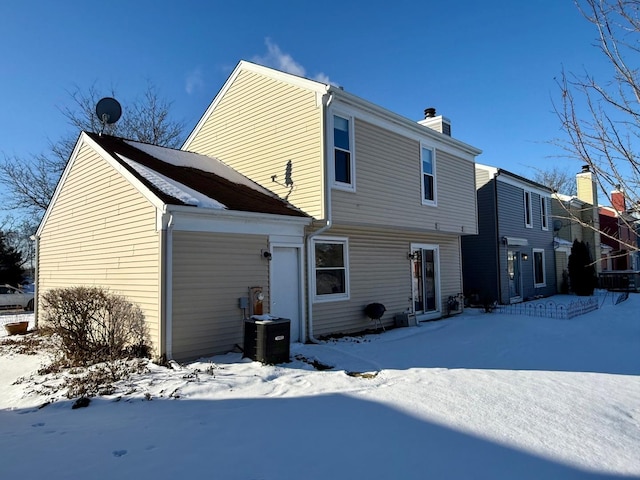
211, 220
289, 78
85, 139
252, 67
141, 187
522, 185
212, 106
514, 180
344, 97
400, 124
62, 180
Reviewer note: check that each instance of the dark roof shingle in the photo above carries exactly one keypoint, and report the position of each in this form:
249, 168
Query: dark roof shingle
235, 196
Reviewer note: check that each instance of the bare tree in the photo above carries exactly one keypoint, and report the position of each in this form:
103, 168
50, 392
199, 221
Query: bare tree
30, 182
556, 179
146, 119
601, 117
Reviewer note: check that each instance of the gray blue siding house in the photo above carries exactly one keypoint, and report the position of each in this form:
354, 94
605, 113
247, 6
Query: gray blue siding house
512, 257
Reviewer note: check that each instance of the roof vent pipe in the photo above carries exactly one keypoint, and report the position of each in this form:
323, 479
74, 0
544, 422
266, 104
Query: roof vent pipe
429, 112
585, 168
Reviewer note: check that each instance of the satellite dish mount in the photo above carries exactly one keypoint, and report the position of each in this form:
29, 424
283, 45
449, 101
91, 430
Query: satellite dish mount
108, 110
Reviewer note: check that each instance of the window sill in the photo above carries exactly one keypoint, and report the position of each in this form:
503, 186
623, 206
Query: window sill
345, 187
331, 298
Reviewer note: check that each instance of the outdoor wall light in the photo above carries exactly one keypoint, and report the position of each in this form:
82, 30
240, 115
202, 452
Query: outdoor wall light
524, 256
266, 254
412, 255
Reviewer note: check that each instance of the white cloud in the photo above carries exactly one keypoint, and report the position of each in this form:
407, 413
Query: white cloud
194, 81
276, 58
321, 77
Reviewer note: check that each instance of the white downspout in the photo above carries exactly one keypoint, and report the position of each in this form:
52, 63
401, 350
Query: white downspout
36, 278
168, 261
326, 99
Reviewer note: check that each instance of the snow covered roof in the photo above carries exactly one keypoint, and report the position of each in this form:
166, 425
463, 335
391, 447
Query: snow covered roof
184, 178
566, 198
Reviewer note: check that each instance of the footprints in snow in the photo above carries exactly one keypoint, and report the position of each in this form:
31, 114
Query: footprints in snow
115, 453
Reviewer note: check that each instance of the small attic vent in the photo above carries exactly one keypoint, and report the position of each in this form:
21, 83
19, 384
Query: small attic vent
446, 128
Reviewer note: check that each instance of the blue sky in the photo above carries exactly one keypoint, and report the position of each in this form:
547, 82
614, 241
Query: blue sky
488, 66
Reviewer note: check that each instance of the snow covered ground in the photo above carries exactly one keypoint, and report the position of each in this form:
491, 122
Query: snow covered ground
477, 396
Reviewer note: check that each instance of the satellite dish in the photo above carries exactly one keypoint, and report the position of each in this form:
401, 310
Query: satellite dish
108, 110
557, 225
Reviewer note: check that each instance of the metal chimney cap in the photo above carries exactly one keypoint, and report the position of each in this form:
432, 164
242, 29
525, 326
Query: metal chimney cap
429, 112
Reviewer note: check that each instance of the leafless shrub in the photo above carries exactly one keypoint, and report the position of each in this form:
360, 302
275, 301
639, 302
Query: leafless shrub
100, 379
95, 325
30, 344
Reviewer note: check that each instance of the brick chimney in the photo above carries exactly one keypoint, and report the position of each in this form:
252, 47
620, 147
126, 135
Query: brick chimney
617, 200
437, 123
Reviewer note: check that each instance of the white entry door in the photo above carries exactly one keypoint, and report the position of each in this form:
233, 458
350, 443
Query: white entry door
285, 287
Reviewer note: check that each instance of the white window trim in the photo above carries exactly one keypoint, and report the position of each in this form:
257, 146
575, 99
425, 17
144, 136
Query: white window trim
528, 209
349, 187
434, 202
337, 296
544, 267
544, 213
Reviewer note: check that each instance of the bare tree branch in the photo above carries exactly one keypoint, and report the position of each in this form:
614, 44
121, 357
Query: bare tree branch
601, 117
557, 179
30, 182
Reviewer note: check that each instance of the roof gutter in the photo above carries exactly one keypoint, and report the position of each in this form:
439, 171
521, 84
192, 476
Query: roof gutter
396, 119
327, 98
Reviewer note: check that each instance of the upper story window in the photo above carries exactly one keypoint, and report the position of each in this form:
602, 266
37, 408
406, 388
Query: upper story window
528, 213
544, 218
343, 151
331, 269
428, 176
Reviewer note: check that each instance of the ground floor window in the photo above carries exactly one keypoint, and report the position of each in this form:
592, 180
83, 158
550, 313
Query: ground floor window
539, 277
331, 269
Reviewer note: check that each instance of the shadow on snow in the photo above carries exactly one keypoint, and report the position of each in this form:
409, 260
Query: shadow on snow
320, 437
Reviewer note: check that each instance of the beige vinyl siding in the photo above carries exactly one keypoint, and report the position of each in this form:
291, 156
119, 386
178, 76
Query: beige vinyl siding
380, 272
482, 177
258, 126
211, 271
101, 232
562, 264
388, 186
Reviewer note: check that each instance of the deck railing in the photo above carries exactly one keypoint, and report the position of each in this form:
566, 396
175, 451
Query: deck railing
620, 280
